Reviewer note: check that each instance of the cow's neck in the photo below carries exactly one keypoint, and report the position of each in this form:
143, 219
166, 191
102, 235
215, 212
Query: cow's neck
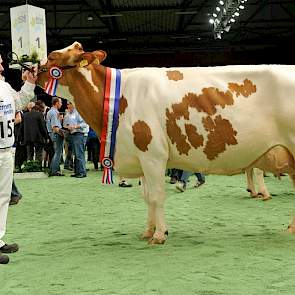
89, 95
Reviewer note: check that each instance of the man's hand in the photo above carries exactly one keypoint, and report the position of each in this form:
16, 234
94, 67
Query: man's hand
29, 76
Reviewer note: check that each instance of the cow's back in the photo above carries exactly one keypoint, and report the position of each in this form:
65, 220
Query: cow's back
214, 119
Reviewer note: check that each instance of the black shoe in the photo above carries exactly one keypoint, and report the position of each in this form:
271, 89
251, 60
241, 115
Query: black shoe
80, 175
4, 259
14, 200
56, 174
124, 184
9, 248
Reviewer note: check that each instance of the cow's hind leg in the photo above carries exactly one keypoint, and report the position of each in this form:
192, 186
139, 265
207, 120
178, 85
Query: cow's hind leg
154, 194
250, 183
291, 227
262, 189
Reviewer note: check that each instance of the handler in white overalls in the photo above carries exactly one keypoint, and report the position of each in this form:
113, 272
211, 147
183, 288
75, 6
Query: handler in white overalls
9, 101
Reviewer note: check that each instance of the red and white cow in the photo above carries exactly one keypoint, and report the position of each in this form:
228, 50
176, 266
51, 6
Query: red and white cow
183, 118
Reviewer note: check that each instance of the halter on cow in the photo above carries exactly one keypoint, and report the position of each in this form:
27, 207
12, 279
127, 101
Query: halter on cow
218, 120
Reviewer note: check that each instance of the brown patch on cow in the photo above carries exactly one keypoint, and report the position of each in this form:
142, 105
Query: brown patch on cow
142, 135
205, 102
221, 133
175, 135
245, 89
180, 110
195, 139
174, 75
123, 105
208, 100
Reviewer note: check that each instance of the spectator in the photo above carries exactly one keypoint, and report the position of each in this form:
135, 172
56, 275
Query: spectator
182, 184
35, 133
15, 194
69, 160
10, 100
93, 147
54, 128
20, 148
76, 125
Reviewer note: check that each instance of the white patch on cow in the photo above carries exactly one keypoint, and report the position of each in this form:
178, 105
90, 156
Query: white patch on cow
87, 74
68, 48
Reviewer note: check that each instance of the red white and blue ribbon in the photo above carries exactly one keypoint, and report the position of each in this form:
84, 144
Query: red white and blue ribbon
51, 86
112, 96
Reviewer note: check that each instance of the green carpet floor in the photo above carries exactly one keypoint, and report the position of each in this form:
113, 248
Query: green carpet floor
79, 237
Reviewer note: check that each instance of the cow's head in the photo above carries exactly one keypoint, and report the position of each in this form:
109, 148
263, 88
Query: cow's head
68, 60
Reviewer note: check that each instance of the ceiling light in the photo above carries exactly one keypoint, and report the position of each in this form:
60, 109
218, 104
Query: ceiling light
90, 17
227, 13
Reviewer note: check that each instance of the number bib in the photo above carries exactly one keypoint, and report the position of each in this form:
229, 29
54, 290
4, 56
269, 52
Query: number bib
7, 111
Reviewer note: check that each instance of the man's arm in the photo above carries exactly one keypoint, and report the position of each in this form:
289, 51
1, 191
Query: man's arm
23, 97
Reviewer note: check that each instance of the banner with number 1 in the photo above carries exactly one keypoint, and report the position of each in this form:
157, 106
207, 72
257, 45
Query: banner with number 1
28, 30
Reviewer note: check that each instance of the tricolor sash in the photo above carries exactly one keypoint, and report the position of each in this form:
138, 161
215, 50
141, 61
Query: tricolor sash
110, 122
50, 87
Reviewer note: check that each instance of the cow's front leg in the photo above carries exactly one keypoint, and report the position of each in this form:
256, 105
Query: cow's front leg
154, 194
151, 220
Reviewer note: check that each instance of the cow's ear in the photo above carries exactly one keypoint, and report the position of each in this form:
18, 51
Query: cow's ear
100, 55
95, 57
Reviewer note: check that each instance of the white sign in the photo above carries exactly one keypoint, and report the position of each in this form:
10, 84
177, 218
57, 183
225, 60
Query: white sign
28, 31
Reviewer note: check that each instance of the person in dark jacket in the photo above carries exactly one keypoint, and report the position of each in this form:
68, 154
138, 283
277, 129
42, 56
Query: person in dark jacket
35, 133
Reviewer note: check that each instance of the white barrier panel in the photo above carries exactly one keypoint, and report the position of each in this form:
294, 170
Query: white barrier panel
28, 30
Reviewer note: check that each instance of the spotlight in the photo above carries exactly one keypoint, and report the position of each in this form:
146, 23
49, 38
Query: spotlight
227, 13
90, 17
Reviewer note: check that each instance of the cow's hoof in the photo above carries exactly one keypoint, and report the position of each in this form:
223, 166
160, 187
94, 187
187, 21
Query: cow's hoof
156, 241
148, 234
291, 229
254, 197
266, 198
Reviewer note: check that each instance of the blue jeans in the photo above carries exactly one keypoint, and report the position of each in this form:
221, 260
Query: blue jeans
14, 190
58, 144
69, 156
79, 152
186, 174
